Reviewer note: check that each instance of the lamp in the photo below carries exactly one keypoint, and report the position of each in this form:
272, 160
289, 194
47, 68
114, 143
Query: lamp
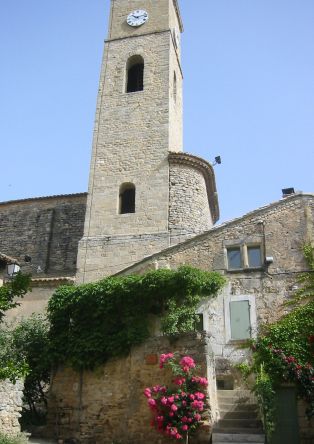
217, 161
13, 269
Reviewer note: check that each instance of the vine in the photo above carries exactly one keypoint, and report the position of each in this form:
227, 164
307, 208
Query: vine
91, 323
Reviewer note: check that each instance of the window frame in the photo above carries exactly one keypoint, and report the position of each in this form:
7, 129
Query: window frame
244, 247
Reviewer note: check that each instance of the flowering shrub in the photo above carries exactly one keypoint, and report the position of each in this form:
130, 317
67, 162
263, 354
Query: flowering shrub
177, 410
301, 375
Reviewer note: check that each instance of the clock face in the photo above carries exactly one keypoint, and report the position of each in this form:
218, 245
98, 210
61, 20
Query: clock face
137, 18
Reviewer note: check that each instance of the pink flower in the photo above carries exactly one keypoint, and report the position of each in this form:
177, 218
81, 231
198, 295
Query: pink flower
164, 400
187, 362
198, 405
191, 396
164, 358
184, 403
147, 393
197, 417
171, 414
174, 408
199, 395
199, 380
185, 428
152, 403
178, 436
184, 419
171, 399
179, 380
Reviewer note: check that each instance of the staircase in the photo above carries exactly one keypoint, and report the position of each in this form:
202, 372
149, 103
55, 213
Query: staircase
239, 422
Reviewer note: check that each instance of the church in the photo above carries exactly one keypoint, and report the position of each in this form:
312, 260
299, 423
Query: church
150, 205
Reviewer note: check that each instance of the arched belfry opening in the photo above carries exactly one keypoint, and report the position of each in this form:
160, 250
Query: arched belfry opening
135, 74
127, 198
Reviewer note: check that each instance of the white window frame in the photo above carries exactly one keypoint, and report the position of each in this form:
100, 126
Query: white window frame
253, 321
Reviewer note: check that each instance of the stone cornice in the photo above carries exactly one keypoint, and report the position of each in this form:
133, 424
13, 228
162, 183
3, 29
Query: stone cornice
176, 6
52, 281
209, 175
42, 198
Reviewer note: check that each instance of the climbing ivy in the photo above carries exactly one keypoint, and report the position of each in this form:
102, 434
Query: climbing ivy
91, 323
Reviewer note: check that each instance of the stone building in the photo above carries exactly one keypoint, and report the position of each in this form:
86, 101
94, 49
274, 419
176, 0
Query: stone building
150, 205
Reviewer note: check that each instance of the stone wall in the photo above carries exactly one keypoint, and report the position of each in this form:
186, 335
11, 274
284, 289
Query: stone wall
47, 229
10, 406
108, 405
189, 212
280, 229
306, 426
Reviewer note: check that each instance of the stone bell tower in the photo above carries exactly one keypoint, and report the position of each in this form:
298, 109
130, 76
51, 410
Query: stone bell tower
138, 123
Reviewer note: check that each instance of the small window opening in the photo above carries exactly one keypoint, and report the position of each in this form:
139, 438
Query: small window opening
135, 74
234, 258
127, 198
174, 86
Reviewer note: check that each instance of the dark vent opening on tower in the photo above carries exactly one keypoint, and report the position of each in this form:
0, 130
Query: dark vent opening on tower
127, 198
135, 73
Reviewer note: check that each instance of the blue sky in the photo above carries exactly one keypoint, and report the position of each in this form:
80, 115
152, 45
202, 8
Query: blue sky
248, 95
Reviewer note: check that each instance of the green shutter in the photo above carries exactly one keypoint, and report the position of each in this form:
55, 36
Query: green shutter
240, 320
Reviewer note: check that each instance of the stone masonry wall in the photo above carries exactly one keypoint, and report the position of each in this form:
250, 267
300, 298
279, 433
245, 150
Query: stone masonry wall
189, 212
10, 406
280, 229
47, 229
108, 405
306, 426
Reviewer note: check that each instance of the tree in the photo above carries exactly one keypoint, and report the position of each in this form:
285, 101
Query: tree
10, 292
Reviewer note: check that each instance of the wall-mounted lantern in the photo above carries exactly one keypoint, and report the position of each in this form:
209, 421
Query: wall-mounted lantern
13, 269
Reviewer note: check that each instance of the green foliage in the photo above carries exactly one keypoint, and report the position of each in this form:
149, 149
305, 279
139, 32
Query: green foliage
283, 352
16, 288
24, 352
19, 439
265, 394
291, 334
306, 280
91, 323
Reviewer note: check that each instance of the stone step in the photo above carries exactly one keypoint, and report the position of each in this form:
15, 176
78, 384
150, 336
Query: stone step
219, 438
238, 392
237, 407
236, 396
238, 431
239, 423
238, 414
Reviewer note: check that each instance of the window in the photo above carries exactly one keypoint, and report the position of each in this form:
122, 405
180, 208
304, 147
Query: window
127, 198
254, 257
135, 74
244, 257
234, 258
175, 87
199, 323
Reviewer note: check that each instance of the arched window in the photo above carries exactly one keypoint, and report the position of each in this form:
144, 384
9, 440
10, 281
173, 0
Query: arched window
175, 86
135, 74
127, 198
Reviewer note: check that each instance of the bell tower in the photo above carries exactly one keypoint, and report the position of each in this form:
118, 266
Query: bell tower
138, 122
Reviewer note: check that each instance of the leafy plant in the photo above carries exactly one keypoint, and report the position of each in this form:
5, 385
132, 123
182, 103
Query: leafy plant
177, 410
18, 439
24, 352
91, 323
265, 394
17, 288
